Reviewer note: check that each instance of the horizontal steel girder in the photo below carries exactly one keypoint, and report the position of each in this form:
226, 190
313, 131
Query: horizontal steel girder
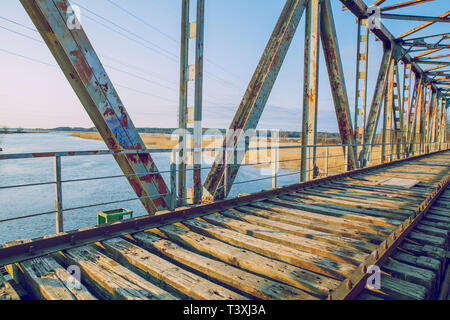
85, 73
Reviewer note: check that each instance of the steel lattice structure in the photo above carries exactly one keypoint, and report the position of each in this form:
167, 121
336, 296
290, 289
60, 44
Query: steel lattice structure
412, 98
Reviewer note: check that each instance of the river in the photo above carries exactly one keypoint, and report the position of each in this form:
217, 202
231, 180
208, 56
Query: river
23, 201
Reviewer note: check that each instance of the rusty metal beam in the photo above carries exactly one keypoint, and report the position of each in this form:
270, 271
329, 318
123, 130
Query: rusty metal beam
374, 113
255, 98
81, 66
404, 5
183, 96
337, 80
422, 26
198, 104
310, 90
414, 17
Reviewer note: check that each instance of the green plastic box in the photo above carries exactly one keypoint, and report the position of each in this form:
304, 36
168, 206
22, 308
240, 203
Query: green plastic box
112, 215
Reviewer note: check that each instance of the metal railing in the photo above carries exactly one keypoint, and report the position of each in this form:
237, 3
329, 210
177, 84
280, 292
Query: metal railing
322, 168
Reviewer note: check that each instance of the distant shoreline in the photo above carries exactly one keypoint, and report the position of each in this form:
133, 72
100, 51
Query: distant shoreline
289, 159
24, 132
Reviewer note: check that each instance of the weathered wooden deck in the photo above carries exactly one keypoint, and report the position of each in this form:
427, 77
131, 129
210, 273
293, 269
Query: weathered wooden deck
298, 245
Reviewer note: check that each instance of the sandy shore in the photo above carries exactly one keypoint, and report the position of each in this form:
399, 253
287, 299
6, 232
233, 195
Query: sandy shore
289, 159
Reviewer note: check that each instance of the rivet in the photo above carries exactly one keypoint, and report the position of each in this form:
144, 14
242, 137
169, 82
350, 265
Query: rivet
375, 254
385, 245
364, 269
401, 227
349, 284
394, 236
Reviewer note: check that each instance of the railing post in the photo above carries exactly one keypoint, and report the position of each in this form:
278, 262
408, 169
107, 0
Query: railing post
274, 167
326, 161
58, 195
346, 157
173, 180
225, 174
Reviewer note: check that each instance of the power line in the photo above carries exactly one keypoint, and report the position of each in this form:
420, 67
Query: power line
21, 34
175, 41
109, 66
144, 22
126, 30
55, 66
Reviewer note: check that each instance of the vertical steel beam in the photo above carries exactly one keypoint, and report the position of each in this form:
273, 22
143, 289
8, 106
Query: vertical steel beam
386, 148
197, 156
414, 107
419, 120
310, 89
258, 91
374, 113
84, 71
361, 95
58, 195
182, 109
337, 81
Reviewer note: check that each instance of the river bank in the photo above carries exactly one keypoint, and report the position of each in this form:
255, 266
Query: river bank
289, 159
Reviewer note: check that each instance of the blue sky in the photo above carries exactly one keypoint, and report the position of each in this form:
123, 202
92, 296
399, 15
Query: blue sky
142, 62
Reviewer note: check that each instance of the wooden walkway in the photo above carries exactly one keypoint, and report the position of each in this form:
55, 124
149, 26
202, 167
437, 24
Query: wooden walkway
300, 245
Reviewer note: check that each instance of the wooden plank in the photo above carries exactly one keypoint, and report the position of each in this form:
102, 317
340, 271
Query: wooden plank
354, 197
295, 257
427, 239
356, 203
377, 191
404, 183
7, 292
412, 274
301, 231
366, 227
313, 283
421, 261
383, 219
314, 225
46, 279
434, 224
303, 244
299, 203
393, 288
244, 281
375, 194
110, 280
440, 211
351, 182
184, 282
432, 231
426, 250
433, 217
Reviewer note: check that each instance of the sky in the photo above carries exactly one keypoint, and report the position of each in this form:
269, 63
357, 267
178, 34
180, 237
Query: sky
140, 52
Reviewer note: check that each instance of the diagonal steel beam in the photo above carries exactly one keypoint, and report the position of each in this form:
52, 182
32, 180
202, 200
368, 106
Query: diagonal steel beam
333, 60
423, 26
374, 113
259, 88
404, 5
81, 66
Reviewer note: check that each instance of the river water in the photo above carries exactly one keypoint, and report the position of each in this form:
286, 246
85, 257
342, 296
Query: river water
23, 201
